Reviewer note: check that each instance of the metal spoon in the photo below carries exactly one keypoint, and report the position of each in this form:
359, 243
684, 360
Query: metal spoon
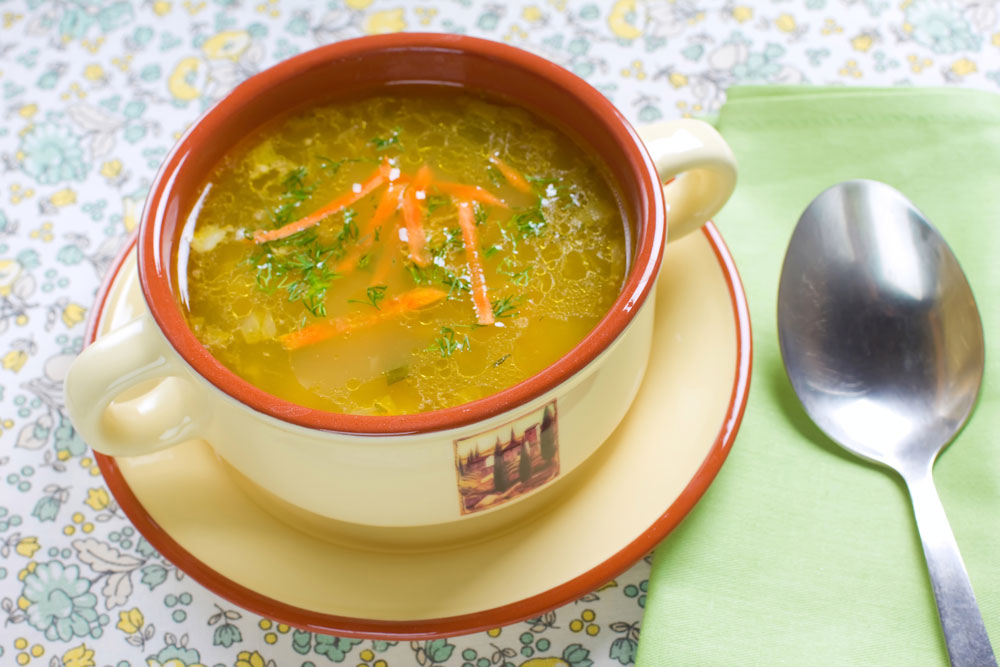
882, 341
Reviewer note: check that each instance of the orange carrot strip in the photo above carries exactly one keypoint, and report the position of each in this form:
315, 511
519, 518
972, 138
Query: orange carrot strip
469, 192
361, 191
481, 300
413, 217
414, 299
387, 206
512, 175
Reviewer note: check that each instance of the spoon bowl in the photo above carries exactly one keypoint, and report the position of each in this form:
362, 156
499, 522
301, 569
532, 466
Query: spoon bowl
882, 341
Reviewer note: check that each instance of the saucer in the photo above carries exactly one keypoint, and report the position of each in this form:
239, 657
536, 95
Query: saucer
612, 511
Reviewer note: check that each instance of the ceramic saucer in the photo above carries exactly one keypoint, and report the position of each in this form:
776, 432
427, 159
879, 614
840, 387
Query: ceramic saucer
606, 516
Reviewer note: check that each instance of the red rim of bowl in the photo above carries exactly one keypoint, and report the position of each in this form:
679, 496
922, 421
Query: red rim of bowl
476, 621
649, 208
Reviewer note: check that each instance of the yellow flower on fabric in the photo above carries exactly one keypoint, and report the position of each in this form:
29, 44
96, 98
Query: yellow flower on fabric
63, 197
97, 498
130, 621
229, 44
677, 80
358, 4
963, 67
78, 656
23, 603
93, 72
862, 42
182, 81
618, 20
996, 39
73, 314
785, 23
161, 7
111, 169
531, 13
14, 360
380, 23
248, 659
173, 662
28, 110
742, 13
27, 546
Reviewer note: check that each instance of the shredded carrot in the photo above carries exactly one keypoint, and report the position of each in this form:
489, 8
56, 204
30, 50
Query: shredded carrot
387, 206
359, 191
512, 175
414, 299
469, 192
480, 298
413, 217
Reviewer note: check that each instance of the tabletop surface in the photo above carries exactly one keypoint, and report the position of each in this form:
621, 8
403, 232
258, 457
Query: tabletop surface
94, 93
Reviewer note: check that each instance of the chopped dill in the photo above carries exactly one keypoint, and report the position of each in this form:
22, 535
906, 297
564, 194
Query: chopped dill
301, 264
385, 143
452, 240
481, 213
492, 250
519, 277
333, 166
446, 344
434, 202
501, 360
505, 307
530, 222
495, 176
375, 294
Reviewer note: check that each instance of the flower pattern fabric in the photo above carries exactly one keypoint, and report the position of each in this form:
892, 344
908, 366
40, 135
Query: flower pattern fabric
94, 94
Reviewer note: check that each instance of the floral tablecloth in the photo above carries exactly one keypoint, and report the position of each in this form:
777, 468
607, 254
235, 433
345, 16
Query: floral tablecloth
94, 92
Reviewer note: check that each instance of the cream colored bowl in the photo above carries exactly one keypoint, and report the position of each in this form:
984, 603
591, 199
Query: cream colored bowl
150, 384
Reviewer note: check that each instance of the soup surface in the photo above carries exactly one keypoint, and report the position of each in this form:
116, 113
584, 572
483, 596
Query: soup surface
399, 254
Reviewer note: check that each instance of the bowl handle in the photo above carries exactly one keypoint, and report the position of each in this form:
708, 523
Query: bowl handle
697, 167
111, 409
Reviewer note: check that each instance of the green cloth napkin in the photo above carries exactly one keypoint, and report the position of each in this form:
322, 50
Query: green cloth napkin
799, 553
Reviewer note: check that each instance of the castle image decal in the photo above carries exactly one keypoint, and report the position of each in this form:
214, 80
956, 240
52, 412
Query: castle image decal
505, 462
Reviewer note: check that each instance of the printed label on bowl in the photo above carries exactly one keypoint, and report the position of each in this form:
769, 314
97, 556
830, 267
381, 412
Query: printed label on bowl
503, 463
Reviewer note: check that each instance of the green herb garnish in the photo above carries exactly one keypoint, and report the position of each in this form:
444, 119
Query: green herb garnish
519, 277
530, 222
501, 360
446, 344
385, 143
495, 176
481, 213
375, 294
302, 265
434, 202
452, 241
505, 307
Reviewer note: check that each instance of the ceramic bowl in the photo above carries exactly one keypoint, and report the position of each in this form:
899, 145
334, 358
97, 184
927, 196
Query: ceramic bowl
151, 384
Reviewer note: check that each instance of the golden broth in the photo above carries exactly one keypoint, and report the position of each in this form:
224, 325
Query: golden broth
378, 333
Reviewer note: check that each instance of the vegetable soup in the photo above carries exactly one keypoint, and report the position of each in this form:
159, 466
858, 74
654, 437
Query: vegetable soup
401, 253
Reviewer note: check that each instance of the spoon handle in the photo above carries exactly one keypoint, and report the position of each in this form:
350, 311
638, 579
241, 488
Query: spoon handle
964, 631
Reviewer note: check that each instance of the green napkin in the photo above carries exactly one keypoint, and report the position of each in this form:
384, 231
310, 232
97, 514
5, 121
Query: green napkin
799, 553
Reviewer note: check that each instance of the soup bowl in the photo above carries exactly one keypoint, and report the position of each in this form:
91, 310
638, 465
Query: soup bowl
151, 384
